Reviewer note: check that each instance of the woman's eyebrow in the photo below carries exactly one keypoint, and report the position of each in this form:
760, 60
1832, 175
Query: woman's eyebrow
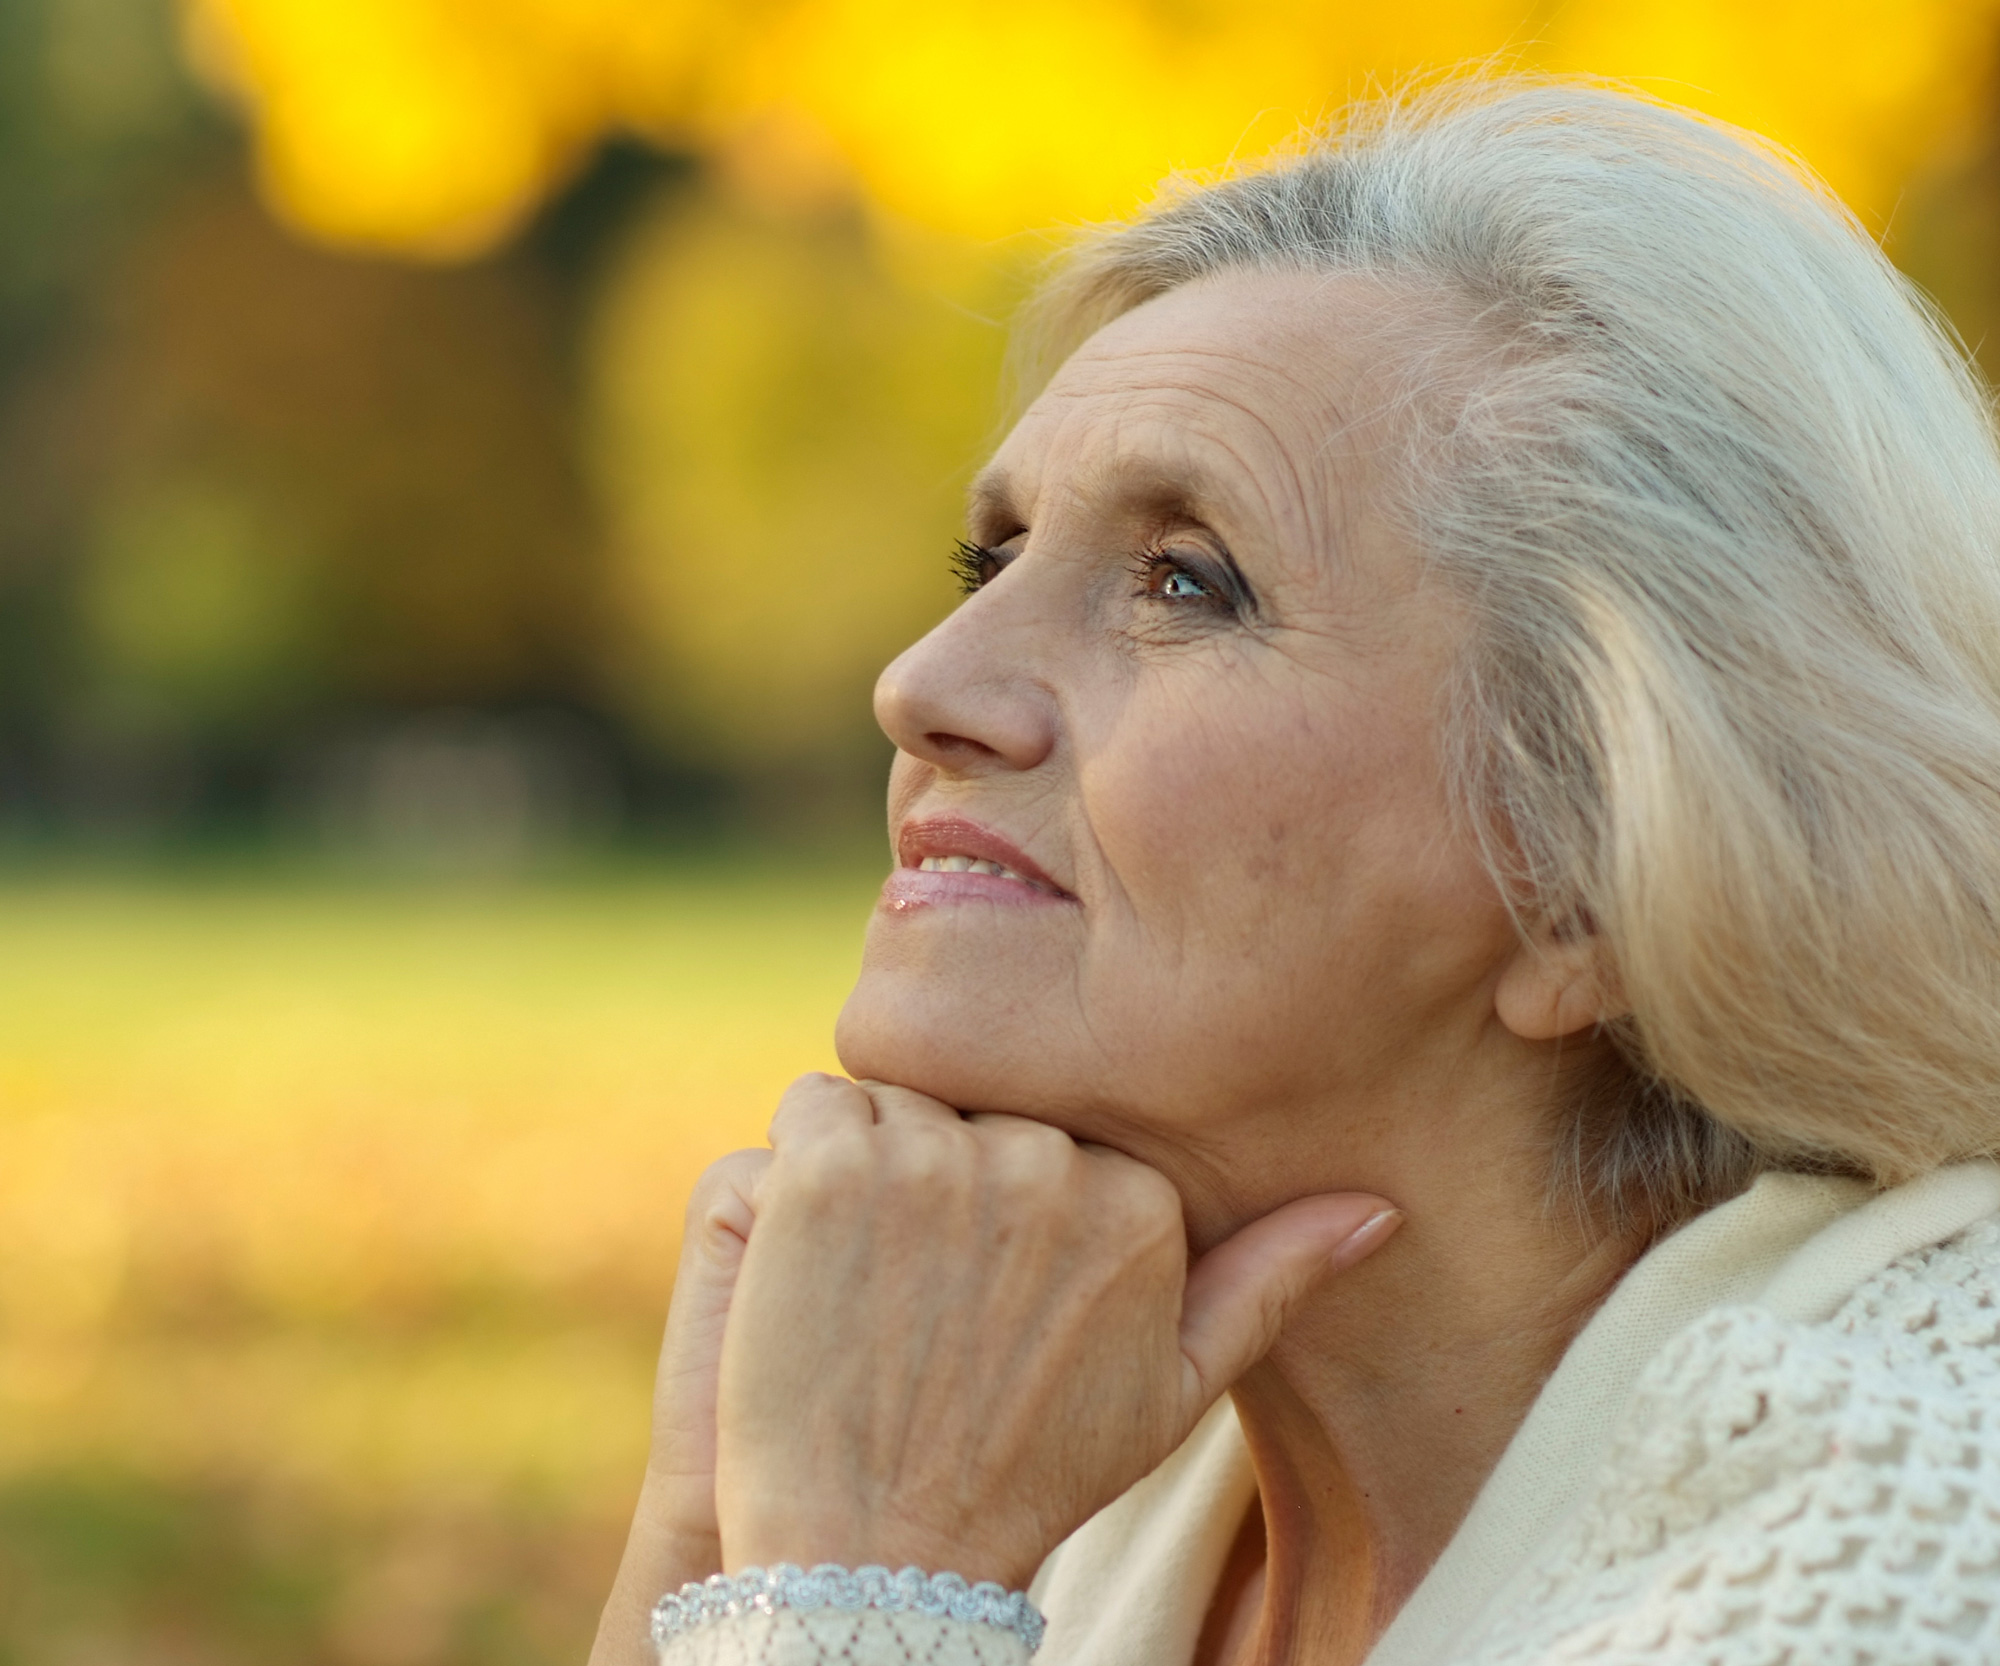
1188, 492
991, 501
1185, 491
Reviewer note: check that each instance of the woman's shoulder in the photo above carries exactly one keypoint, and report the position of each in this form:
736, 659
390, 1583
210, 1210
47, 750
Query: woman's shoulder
1921, 1336
1786, 1489
1940, 1304
1745, 1397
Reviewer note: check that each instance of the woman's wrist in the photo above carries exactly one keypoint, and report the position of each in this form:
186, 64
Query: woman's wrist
942, 1595
664, 1551
788, 1535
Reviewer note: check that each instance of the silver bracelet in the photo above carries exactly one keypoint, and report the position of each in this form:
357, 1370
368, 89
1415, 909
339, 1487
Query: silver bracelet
756, 1591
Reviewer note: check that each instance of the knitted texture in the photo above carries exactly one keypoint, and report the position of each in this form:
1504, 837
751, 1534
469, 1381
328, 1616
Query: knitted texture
1790, 1494
836, 1637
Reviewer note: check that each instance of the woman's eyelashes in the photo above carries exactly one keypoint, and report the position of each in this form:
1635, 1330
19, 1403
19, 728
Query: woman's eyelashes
977, 565
1177, 577
973, 565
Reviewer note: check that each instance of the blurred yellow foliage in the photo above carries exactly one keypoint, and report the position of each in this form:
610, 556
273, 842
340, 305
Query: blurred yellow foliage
434, 126
786, 377
780, 434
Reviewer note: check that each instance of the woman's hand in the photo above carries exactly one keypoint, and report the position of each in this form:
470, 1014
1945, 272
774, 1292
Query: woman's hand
674, 1535
953, 1339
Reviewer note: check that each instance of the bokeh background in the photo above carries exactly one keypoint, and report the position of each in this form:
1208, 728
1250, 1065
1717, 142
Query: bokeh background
461, 465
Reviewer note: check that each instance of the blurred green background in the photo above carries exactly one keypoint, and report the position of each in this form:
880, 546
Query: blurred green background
462, 463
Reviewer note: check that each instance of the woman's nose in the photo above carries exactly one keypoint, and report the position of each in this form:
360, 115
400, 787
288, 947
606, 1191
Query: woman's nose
966, 697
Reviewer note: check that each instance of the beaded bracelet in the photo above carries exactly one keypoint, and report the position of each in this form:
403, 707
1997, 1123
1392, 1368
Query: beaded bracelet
757, 1591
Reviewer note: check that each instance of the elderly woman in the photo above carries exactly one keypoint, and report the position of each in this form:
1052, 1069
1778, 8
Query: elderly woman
1424, 1079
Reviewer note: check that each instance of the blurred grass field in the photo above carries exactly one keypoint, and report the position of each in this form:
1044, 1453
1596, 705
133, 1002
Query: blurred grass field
336, 1227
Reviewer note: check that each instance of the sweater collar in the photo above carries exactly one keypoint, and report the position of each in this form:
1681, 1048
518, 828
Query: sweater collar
1799, 1244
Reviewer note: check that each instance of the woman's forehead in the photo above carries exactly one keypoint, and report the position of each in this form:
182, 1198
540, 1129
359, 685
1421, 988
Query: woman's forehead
1246, 390
1263, 337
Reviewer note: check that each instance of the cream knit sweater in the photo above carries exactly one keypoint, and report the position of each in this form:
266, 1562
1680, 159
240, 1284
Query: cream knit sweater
1776, 1444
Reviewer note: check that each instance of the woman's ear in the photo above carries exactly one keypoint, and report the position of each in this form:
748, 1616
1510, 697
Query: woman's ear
1558, 983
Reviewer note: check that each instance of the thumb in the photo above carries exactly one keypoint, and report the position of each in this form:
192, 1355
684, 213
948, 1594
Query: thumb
1242, 1292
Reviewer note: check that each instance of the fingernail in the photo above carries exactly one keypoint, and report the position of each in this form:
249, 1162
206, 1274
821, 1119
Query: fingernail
1365, 1237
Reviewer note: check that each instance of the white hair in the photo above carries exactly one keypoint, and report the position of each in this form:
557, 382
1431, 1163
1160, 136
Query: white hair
1723, 498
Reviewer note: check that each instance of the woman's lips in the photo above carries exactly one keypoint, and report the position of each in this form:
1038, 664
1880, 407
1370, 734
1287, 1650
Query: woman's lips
947, 859
909, 888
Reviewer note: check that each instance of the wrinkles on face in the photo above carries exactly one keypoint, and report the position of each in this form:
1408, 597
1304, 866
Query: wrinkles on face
1169, 445
1275, 916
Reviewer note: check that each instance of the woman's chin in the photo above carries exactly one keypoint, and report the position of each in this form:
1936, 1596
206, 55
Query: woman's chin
934, 1051
953, 1050
964, 1058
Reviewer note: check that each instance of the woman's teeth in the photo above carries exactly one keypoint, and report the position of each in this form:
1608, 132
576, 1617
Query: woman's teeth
970, 864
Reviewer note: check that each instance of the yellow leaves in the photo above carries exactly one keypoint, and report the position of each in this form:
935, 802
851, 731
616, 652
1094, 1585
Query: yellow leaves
982, 120
434, 126
781, 404
1865, 92
782, 432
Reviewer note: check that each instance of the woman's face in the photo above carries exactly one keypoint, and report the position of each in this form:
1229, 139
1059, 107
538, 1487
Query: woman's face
1194, 700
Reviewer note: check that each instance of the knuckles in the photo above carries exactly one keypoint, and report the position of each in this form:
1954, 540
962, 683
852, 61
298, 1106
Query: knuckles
1141, 1207
817, 1106
927, 1156
901, 1170
827, 1171
946, 1170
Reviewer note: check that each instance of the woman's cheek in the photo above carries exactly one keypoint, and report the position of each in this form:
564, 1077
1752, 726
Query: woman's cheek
1196, 810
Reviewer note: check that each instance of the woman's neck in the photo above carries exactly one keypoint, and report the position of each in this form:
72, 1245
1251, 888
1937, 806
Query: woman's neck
1390, 1398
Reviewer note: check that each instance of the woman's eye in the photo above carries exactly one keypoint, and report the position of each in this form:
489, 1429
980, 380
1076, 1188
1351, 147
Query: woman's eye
1170, 578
